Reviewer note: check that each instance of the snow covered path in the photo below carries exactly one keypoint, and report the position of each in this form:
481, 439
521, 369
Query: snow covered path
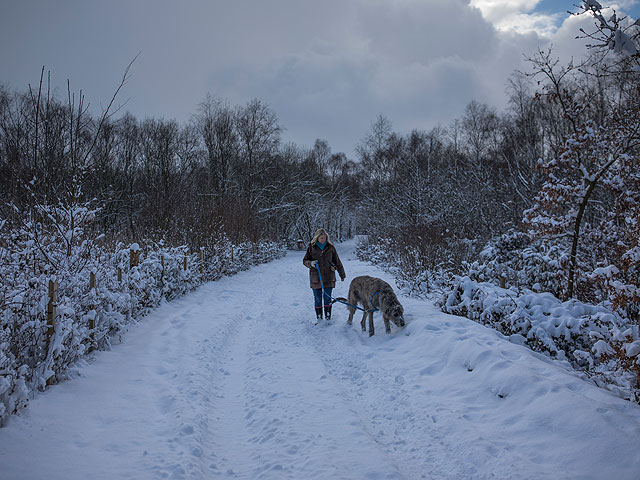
233, 381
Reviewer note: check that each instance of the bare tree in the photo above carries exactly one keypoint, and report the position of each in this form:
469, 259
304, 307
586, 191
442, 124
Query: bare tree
259, 136
479, 123
216, 123
159, 151
259, 131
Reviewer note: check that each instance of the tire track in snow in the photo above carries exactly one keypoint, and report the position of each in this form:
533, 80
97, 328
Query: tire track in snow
188, 352
231, 453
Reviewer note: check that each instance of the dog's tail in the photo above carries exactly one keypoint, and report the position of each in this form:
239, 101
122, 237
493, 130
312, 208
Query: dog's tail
339, 299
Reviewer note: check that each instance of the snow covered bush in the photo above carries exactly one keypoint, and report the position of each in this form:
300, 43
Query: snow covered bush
515, 260
379, 251
375, 250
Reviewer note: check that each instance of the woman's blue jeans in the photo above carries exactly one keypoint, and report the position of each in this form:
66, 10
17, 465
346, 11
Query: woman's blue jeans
317, 297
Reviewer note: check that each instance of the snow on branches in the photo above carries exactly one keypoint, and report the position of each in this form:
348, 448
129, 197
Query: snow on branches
615, 33
590, 198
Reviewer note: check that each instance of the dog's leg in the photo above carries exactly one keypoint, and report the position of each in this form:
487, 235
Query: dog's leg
353, 301
387, 324
370, 324
363, 322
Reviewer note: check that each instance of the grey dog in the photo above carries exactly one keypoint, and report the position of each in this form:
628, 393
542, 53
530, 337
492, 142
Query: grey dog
373, 293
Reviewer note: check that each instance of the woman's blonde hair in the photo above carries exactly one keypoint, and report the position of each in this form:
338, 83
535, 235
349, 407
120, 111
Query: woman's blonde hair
318, 234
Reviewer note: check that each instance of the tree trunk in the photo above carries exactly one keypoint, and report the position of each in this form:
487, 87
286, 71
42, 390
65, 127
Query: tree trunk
573, 260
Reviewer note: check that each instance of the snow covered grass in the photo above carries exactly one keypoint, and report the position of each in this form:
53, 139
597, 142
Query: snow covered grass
32, 353
233, 381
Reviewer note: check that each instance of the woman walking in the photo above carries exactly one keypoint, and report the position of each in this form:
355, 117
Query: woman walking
321, 254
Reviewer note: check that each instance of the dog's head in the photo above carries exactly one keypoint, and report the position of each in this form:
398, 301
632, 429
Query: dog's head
396, 315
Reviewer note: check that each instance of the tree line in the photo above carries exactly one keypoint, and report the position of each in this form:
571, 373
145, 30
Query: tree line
154, 178
228, 166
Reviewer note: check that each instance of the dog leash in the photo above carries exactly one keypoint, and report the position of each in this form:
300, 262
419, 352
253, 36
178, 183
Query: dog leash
340, 300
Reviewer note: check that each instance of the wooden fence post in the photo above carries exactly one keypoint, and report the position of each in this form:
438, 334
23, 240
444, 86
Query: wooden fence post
92, 319
134, 255
53, 303
201, 261
119, 274
162, 262
185, 261
51, 316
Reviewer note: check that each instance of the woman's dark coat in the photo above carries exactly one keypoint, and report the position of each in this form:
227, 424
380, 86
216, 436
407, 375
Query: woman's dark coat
328, 261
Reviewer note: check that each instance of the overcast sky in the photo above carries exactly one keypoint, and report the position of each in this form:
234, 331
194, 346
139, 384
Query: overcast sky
327, 68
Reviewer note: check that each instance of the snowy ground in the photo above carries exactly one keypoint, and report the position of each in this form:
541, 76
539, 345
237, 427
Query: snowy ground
234, 381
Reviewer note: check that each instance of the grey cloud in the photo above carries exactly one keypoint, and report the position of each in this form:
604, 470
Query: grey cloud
421, 31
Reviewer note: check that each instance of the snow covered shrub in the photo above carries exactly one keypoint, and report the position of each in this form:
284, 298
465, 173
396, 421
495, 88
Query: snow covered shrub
592, 338
618, 270
601, 246
374, 249
622, 357
517, 261
23, 328
422, 257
